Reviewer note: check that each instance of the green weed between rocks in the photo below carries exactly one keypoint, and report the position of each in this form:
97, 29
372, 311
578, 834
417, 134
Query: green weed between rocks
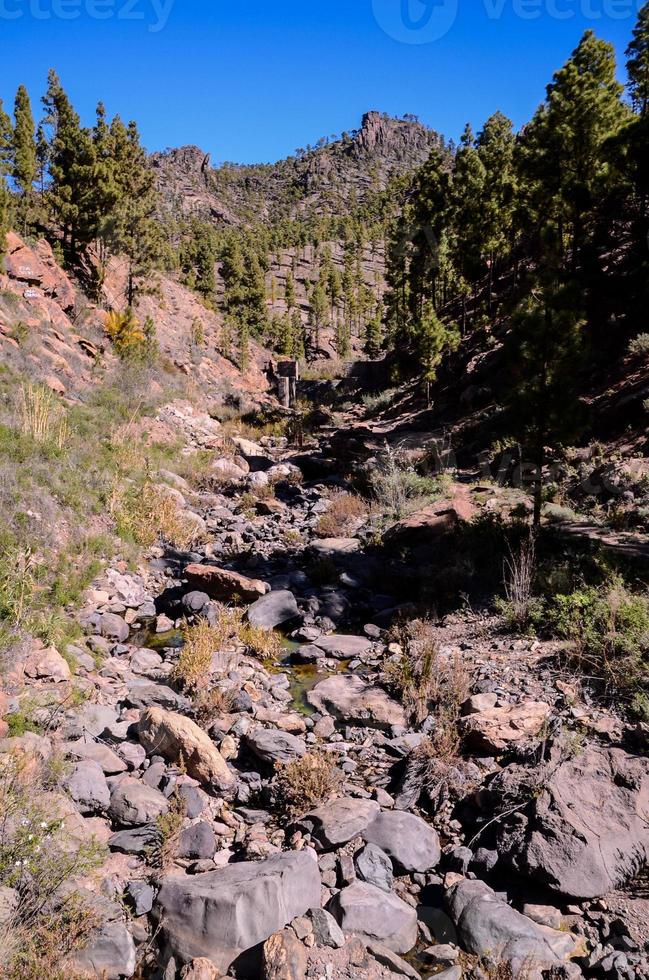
40, 859
64, 471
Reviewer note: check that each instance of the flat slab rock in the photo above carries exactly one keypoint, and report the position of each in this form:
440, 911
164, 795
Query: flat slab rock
330, 547
587, 832
339, 821
366, 911
353, 700
493, 730
488, 926
273, 745
343, 647
224, 585
222, 914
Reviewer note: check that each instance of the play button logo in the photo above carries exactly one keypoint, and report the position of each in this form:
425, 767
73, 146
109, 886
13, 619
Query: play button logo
415, 21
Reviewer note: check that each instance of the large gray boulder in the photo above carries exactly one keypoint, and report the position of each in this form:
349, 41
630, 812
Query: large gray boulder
353, 700
412, 844
273, 609
222, 914
365, 911
133, 803
110, 953
490, 928
87, 786
273, 745
586, 831
338, 822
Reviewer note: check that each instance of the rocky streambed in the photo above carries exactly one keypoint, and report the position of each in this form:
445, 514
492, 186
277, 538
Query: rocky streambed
517, 855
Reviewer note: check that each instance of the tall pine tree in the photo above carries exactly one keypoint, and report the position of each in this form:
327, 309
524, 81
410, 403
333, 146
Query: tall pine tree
25, 163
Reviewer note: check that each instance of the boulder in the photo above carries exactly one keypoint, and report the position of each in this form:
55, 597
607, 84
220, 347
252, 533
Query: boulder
586, 832
110, 953
133, 803
273, 745
426, 526
374, 866
175, 737
488, 927
344, 647
137, 840
223, 913
113, 627
332, 547
273, 609
110, 762
48, 665
147, 694
412, 844
230, 469
326, 930
339, 821
140, 895
496, 729
353, 700
284, 957
200, 969
88, 787
224, 585
197, 842
365, 911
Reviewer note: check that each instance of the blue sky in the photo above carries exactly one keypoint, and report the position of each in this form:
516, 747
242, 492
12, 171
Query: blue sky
251, 80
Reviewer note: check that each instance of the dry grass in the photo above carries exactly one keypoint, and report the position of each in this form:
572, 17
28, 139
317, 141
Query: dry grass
210, 705
519, 575
150, 514
424, 676
345, 512
305, 783
42, 417
194, 665
169, 825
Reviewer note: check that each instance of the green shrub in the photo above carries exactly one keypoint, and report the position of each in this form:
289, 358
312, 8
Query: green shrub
40, 858
608, 630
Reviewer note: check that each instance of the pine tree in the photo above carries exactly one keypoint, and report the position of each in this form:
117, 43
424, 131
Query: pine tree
469, 179
137, 234
70, 194
6, 135
374, 333
562, 158
495, 145
289, 292
425, 230
434, 340
42, 156
545, 347
638, 62
25, 163
297, 336
287, 341
319, 309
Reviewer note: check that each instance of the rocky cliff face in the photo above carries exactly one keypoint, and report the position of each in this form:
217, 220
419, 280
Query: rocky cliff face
318, 180
50, 331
